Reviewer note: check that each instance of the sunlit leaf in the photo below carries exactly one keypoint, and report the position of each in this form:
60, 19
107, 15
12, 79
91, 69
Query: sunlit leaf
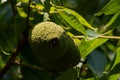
73, 19
115, 77
21, 12
86, 47
81, 19
76, 41
115, 21
90, 79
111, 8
25, 1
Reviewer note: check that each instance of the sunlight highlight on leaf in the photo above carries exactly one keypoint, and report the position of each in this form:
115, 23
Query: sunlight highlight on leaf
21, 12
74, 19
79, 17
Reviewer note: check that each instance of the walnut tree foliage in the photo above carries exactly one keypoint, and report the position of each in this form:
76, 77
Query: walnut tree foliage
94, 25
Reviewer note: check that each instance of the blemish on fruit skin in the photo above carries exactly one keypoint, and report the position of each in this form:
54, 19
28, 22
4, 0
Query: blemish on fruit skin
54, 42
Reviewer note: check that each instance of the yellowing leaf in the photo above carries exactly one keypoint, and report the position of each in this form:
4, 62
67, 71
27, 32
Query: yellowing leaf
21, 12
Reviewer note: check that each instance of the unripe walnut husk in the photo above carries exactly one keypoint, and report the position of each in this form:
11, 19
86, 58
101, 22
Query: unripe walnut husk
53, 47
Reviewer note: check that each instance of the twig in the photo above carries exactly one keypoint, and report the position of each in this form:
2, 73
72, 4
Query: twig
16, 51
12, 58
13, 7
110, 37
28, 65
20, 44
27, 19
79, 37
107, 37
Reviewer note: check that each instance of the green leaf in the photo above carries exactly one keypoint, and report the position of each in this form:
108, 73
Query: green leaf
22, 9
115, 77
97, 61
111, 46
90, 79
111, 8
13, 74
114, 22
71, 74
116, 59
8, 38
73, 22
2, 63
86, 47
115, 72
74, 19
77, 16
57, 2
21, 12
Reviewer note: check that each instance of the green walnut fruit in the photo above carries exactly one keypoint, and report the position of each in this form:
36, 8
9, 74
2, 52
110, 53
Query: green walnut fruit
53, 47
